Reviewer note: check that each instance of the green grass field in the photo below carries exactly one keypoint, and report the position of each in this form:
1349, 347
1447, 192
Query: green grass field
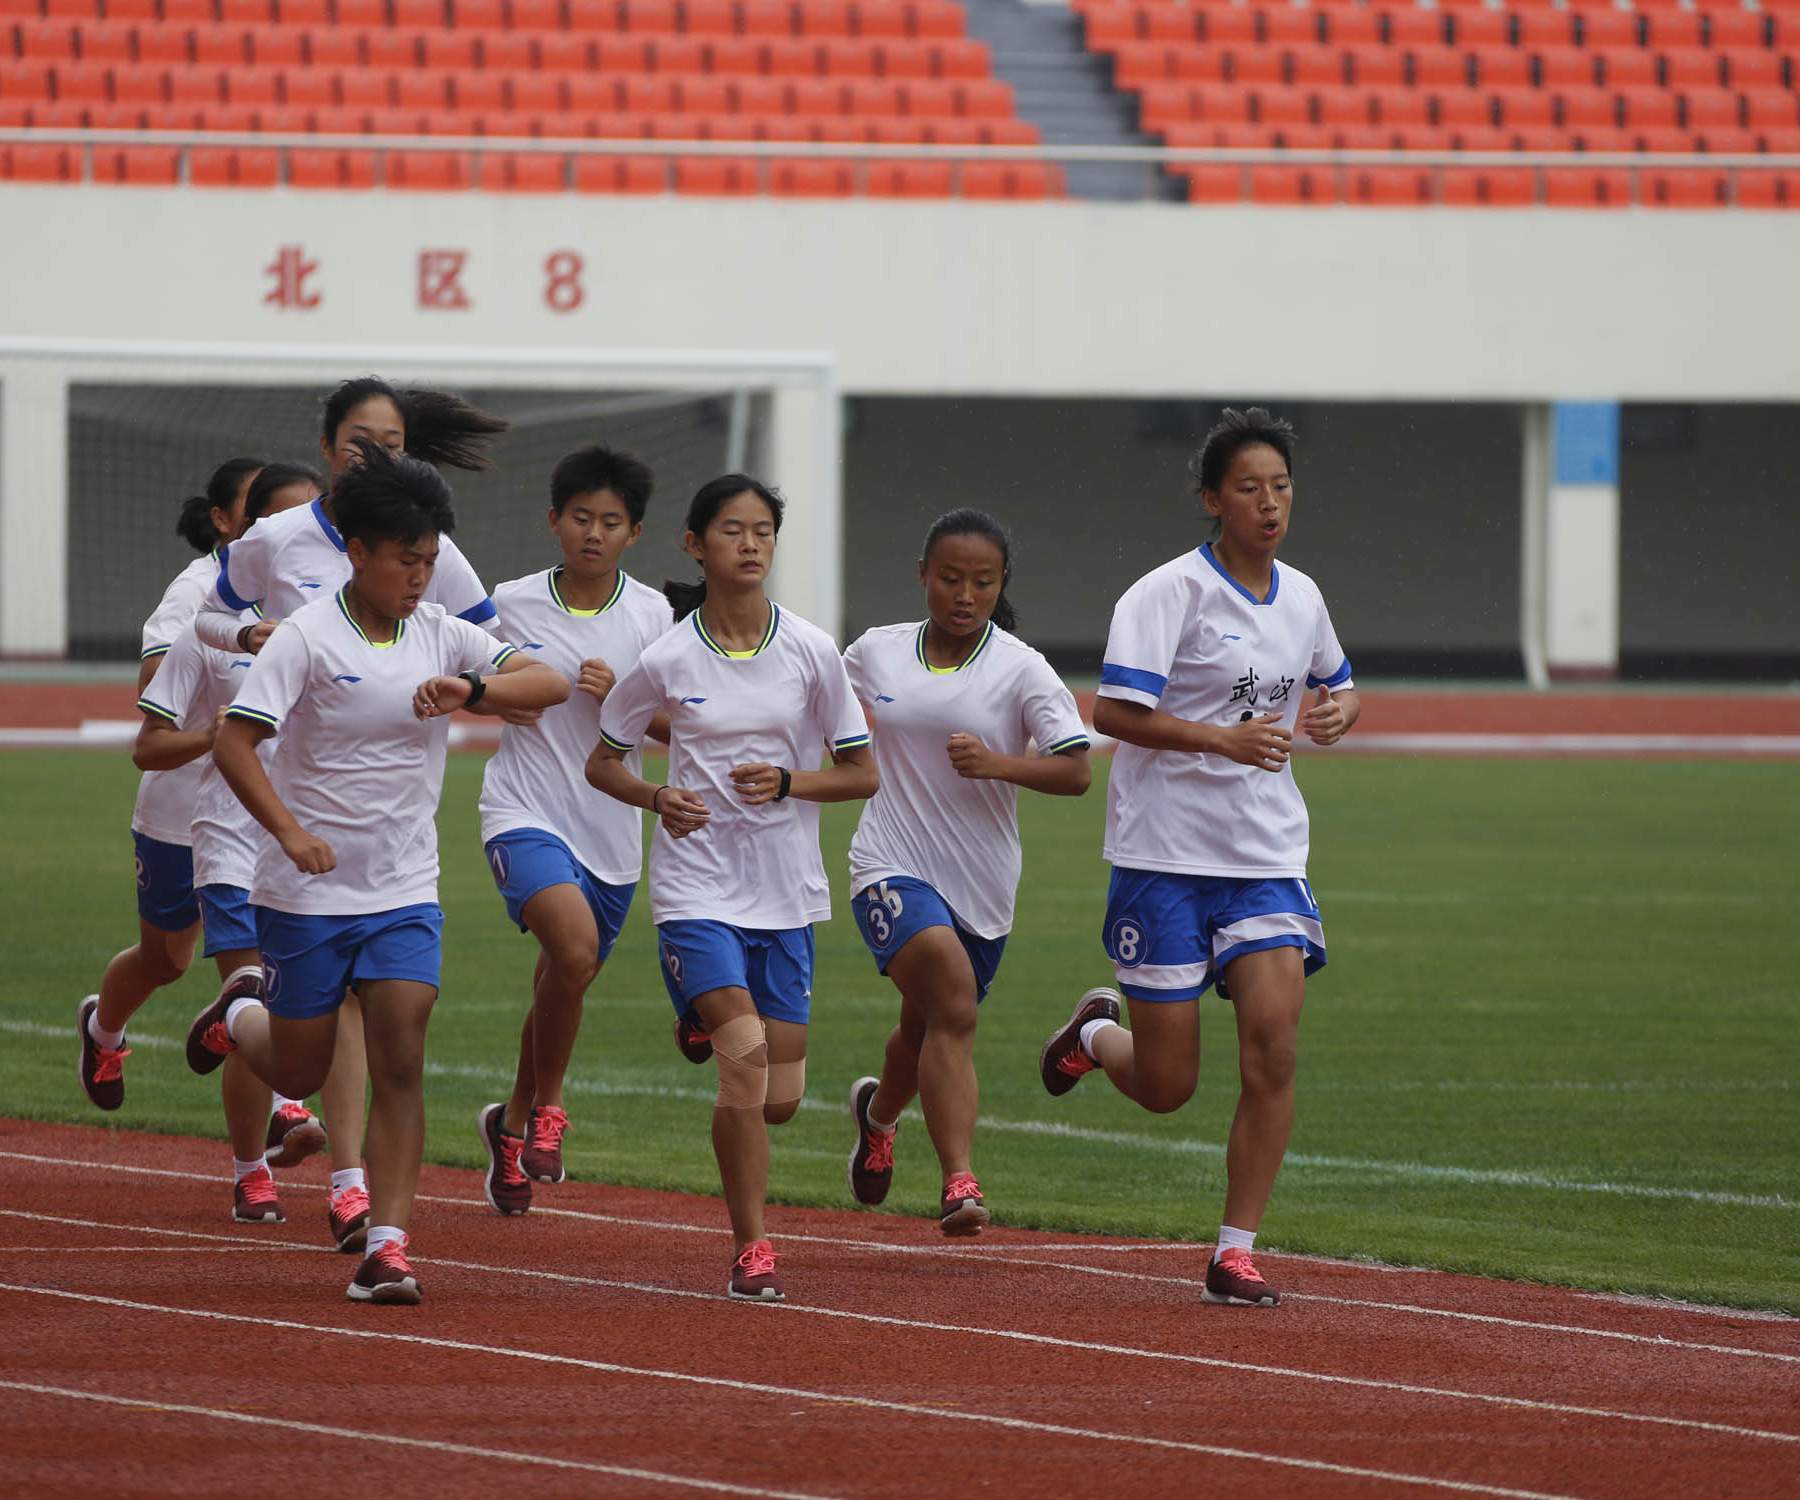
1558, 1038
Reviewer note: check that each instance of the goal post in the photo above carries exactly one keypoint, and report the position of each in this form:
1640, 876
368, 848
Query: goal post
99, 441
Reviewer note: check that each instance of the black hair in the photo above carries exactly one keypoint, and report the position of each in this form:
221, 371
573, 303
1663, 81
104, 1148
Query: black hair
586, 471
441, 429
194, 525
969, 522
276, 476
708, 501
391, 497
1233, 431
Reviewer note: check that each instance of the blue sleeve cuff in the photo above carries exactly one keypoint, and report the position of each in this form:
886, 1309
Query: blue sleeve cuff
1073, 742
479, 614
1336, 679
225, 590
619, 745
1138, 680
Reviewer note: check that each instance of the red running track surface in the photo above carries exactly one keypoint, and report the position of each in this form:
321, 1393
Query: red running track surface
149, 1345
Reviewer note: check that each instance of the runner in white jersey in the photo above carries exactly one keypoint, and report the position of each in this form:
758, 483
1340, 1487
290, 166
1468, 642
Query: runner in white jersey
755, 698
566, 862
1205, 668
965, 714
358, 685
184, 701
286, 562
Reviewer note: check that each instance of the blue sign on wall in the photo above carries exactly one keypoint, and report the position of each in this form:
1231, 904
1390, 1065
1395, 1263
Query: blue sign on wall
1587, 442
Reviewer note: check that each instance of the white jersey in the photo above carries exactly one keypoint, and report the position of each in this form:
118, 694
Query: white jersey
535, 779
959, 836
781, 704
165, 799
1191, 640
192, 683
351, 762
296, 557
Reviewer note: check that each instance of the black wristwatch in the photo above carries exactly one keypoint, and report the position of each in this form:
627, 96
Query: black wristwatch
787, 782
477, 687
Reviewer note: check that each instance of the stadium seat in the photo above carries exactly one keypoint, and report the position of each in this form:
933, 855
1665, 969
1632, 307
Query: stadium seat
1376, 67
1641, 109
41, 163
137, 166
521, 172
1503, 70
1688, 188
1768, 189
1438, 68
1390, 187
429, 171
1292, 185
1736, 28
213, 167
811, 179
331, 169
1214, 184
716, 176
1710, 109
1769, 109
1586, 187
1564, 68
1415, 26
1491, 187
1752, 70
1629, 69
276, 47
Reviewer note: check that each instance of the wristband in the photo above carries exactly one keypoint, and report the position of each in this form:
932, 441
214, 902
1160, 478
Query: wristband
243, 643
477, 687
787, 782
654, 795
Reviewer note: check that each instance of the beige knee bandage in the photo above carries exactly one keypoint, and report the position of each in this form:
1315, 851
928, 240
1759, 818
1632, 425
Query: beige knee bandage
741, 1048
787, 1081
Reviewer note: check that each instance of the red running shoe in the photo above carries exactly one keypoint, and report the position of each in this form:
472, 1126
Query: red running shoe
507, 1187
208, 1042
347, 1211
100, 1069
961, 1212
386, 1276
753, 1277
542, 1157
253, 1200
1064, 1061
695, 1044
1234, 1280
872, 1160
294, 1134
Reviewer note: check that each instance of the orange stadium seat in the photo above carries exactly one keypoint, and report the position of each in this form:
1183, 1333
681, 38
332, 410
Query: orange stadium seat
1504, 187
1686, 188
1768, 189
40, 163
1390, 187
909, 179
1587, 187
137, 166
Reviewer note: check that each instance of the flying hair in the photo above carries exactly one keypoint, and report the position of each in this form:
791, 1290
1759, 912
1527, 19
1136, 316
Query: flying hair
441, 429
389, 496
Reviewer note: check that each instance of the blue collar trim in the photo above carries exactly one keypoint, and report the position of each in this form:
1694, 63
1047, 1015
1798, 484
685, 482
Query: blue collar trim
1218, 567
318, 510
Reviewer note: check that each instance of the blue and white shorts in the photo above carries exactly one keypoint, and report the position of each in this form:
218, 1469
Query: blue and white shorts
894, 911
229, 919
525, 861
165, 884
774, 964
308, 962
1171, 937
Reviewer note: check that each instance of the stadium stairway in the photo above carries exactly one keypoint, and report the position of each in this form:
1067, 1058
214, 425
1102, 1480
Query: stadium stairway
1067, 92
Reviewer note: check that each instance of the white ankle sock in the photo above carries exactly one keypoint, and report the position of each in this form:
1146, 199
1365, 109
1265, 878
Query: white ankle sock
277, 1101
381, 1234
1089, 1031
1234, 1239
350, 1177
111, 1040
236, 1009
242, 1169
881, 1125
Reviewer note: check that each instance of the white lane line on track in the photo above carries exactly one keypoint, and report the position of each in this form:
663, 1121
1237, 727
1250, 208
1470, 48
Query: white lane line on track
798, 1393
976, 1255
1050, 1341
1400, 1171
461, 1450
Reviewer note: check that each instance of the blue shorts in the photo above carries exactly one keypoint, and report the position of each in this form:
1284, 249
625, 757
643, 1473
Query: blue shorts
230, 922
308, 962
1170, 937
891, 914
525, 861
775, 966
165, 883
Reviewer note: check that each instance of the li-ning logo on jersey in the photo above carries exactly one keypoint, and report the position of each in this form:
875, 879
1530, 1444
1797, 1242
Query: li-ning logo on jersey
346, 677
1231, 638
312, 585
883, 698
686, 701
244, 663
531, 645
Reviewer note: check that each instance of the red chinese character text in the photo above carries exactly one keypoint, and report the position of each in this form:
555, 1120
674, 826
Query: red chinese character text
563, 291
440, 280
290, 271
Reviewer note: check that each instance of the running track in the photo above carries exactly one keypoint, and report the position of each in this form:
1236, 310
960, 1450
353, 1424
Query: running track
149, 1345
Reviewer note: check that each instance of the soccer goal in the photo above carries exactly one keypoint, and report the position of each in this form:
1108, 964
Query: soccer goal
100, 442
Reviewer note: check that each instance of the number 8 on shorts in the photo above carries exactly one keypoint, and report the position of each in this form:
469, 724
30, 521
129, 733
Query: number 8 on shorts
1126, 944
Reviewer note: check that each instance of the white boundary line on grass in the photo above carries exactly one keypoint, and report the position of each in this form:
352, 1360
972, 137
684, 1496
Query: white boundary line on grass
1402, 1171
461, 1450
986, 1252
759, 1388
1042, 1340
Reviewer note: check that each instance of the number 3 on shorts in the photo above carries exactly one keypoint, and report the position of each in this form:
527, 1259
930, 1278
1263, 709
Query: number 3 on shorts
882, 902
1126, 943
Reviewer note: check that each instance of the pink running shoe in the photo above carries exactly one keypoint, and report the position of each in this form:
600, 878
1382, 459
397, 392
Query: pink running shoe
1233, 1279
253, 1200
294, 1134
1064, 1061
962, 1212
872, 1158
386, 1276
208, 1041
347, 1212
507, 1187
542, 1156
753, 1277
100, 1069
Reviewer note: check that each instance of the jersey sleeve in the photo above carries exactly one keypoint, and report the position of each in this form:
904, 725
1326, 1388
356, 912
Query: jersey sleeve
835, 706
630, 706
276, 680
854, 666
1141, 645
1329, 667
171, 693
167, 620
1048, 708
469, 648
244, 569
456, 586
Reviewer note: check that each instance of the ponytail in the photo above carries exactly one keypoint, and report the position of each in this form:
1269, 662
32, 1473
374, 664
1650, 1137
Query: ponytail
195, 523
684, 598
708, 501
970, 522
